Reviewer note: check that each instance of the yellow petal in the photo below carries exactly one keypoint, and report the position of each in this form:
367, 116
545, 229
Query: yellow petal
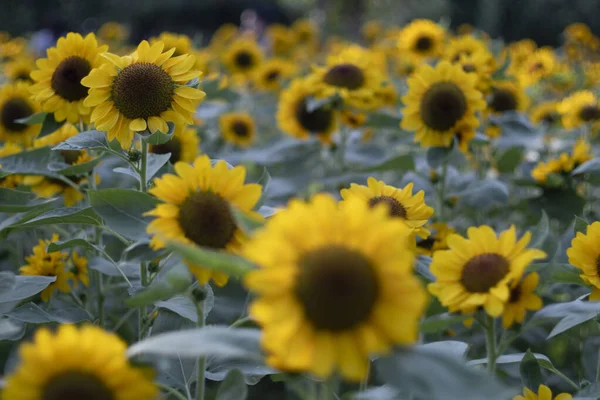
138, 125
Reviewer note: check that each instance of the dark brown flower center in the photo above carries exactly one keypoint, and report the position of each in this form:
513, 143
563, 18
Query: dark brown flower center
142, 90
469, 68
206, 220
423, 43
395, 208
272, 75
70, 156
76, 385
15, 108
316, 121
426, 244
550, 118
515, 294
589, 113
66, 80
337, 288
443, 105
173, 146
502, 100
348, 76
244, 60
536, 67
241, 129
598, 265
23, 76
483, 272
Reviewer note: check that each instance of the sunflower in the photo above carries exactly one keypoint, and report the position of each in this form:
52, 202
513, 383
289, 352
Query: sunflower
142, 92
507, 96
545, 113
543, 393
20, 69
243, 56
196, 209
334, 286
564, 163
271, 74
237, 128
422, 39
10, 181
401, 203
540, 64
44, 263
306, 33
521, 299
112, 32
353, 119
518, 52
585, 255
438, 101
13, 48
466, 45
437, 240
80, 269
15, 103
183, 146
294, 118
579, 108
372, 31
58, 81
478, 270
181, 43
477, 64
281, 38
222, 37
578, 32
77, 363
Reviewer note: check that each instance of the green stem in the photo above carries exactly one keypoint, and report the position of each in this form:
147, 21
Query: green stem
201, 360
240, 322
341, 150
364, 383
329, 389
171, 391
144, 167
100, 294
490, 343
442, 190
566, 379
142, 310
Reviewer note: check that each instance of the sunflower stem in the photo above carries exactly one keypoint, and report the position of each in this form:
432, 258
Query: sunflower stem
144, 167
329, 389
490, 342
171, 391
100, 294
442, 189
201, 360
341, 150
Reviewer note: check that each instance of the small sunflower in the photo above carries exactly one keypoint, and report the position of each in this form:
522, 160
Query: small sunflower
196, 209
183, 146
307, 34
294, 118
243, 56
181, 43
20, 69
466, 45
15, 103
545, 113
58, 86
44, 263
13, 48
142, 92
543, 393
579, 108
422, 39
585, 255
521, 299
10, 181
271, 74
478, 65
80, 269
281, 38
237, 128
353, 119
507, 96
222, 37
112, 32
334, 286
564, 163
77, 363
438, 101
477, 271
437, 240
540, 64
372, 31
401, 203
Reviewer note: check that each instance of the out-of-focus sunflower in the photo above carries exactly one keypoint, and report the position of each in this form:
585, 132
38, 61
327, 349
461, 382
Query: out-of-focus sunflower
80, 269
271, 74
112, 32
10, 181
467, 46
578, 32
281, 38
243, 56
20, 69
181, 43
438, 101
13, 48
521, 299
353, 119
295, 119
507, 96
540, 64
196, 209
478, 64
422, 39
564, 163
306, 33
16, 103
58, 86
543, 393
237, 128
400, 202
437, 240
580, 108
339, 279
222, 37
584, 254
372, 31
183, 146
545, 113
142, 92
518, 52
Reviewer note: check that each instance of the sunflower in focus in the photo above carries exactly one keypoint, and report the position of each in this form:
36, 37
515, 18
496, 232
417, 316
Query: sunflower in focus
295, 119
437, 240
10, 181
58, 81
243, 56
580, 108
584, 254
77, 363
477, 271
400, 202
112, 32
271, 74
540, 64
142, 92
44, 263
196, 209
237, 128
543, 393
334, 286
438, 101
80, 269
20, 69
422, 39
16, 103
545, 113
281, 38
181, 43
521, 299
183, 146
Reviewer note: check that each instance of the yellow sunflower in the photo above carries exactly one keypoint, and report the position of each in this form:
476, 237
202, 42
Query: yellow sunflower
521, 299
585, 255
20, 69
438, 101
58, 86
181, 43
237, 128
294, 118
271, 74
353, 119
112, 31
401, 203
10, 181
307, 34
77, 363
437, 240
80, 269
579, 108
466, 45
44, 263
545, 113
518, 52
543, 393
142, 92
222, 37
422, 39
15, 103
196, 209
478, 65
477, 271
540, 64
564, 163
505, 96
372, 31
13, 48
281, 38
334, 286
183, 146
243, 56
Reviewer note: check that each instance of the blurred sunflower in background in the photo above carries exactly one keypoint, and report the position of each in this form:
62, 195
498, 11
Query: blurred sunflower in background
181, 43
422, 39
10, 181
437, 240
15, 104
272, 74
112, 31
281, 39
80, 269
579, 109
540, 64
237, 128
545, 113
505, 96
20, 69
584, 254
467, 46
242, 57
521, 299
183, 146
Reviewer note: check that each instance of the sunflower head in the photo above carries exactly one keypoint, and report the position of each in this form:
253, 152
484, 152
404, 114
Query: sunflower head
181, 43
584, 254
112, 32
16, 103
543, 393
579, 108
521, 299
222, 37
545, 113
281, 38
437, 240
20, 69
540, 64
237, 128
306, 33
243, 56
271, 74
80, 269
183, 146
422, 39
507, 96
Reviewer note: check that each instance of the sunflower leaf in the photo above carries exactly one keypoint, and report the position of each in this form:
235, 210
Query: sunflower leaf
436, 156
531, 373
580, 225
441, 322
74, 170
30, 162
540, 233
233, 386
333, 101
159, 137
33, 314
17, 201
25, 287
66, 215
174, 282
50, 125
33, 119
70, 243
397, 163
588, 167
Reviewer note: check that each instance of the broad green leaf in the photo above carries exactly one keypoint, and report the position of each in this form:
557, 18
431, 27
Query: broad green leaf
140, 251
436, 156
74, 170
516, 358
33, 314
67, 215
572, 314
50, 125
383, 121
176, 281
7, 281
377, 393
12, 201
485, 193
7, 329
422, 264
510, 160
33, 119
580, 225
70, 243
590, 391
450, 347
246, 223
181, 305
333, 101
90, 140
540, 233
154, 163
159, 137
566, 273
122, 210
398, 163
26, 286
531, 373
233, 387
441, 322
30, 162
589, 167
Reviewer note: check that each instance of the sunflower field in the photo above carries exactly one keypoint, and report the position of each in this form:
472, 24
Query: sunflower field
284, 214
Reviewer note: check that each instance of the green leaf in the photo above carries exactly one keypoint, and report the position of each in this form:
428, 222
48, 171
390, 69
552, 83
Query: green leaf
176, 281
30, 162
589, 167
590, 391
70, 243
383, 121
449, 347
436, 156
123, 209
229, 264
580, 225
265, 182
181, 305
531, 373
159, 137
140, 251
7, 281
543, 360
540, 233
90, 140
233, 387
566, 273
422, 264
482, 194
50, 125
571, 314
7, 329
67, 215
246, 223
211, 88
33, 119
398, 163
12, 201
510, 160
33, 314
500, 73
376, 393
441, 322
333, 101
25, 287
480, 140
75, 170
